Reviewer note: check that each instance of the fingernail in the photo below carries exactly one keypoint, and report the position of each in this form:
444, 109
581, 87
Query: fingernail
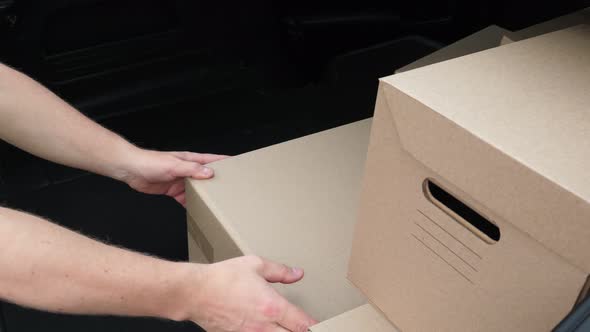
206, 171
296, 271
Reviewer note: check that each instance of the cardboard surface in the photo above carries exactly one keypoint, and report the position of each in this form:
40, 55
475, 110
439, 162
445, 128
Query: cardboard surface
482, 40
195, 253
506, 40
363, 318
295, 203
506, 132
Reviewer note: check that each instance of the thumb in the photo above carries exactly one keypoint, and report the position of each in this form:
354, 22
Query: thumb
193, 170
275, 272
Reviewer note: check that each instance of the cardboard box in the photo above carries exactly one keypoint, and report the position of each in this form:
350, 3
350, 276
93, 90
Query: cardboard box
482, 40
363, 318
494, 36
295, 203
498, 141
560, 23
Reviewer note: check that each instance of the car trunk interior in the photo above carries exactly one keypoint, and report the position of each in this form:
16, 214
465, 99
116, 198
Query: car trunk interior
207, 77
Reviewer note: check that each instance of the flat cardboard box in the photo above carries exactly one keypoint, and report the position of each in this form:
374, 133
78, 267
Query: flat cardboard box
295, 203
482, 40
363, 318
504, 132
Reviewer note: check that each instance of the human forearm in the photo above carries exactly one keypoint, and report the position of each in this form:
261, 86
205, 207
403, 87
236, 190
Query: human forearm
51, 268
48, 267
35, 120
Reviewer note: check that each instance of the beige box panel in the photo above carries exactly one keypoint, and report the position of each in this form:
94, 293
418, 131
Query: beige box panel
363, 318
522, 129
195, 253
295, 203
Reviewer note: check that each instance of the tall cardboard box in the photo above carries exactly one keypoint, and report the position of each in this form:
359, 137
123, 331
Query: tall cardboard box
475, 210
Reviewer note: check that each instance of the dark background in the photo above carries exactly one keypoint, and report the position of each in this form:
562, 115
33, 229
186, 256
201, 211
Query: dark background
218, 77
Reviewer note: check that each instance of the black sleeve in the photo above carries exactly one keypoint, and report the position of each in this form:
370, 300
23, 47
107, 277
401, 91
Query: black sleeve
578, 320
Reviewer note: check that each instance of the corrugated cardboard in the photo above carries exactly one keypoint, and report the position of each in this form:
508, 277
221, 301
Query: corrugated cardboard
482, 40
363, 318
560, 23
506, 131
295, 203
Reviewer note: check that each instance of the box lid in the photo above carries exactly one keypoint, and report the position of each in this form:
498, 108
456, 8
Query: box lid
516, 117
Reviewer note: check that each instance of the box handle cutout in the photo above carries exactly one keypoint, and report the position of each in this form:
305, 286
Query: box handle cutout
461, 212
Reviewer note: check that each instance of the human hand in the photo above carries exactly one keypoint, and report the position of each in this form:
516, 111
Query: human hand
163, 173
234, 295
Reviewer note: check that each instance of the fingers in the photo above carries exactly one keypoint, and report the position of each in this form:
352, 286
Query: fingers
192, 165
276, 272
294, 319
201, 158
176, 188
209, 158
193, 170
275, 328
181, 199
